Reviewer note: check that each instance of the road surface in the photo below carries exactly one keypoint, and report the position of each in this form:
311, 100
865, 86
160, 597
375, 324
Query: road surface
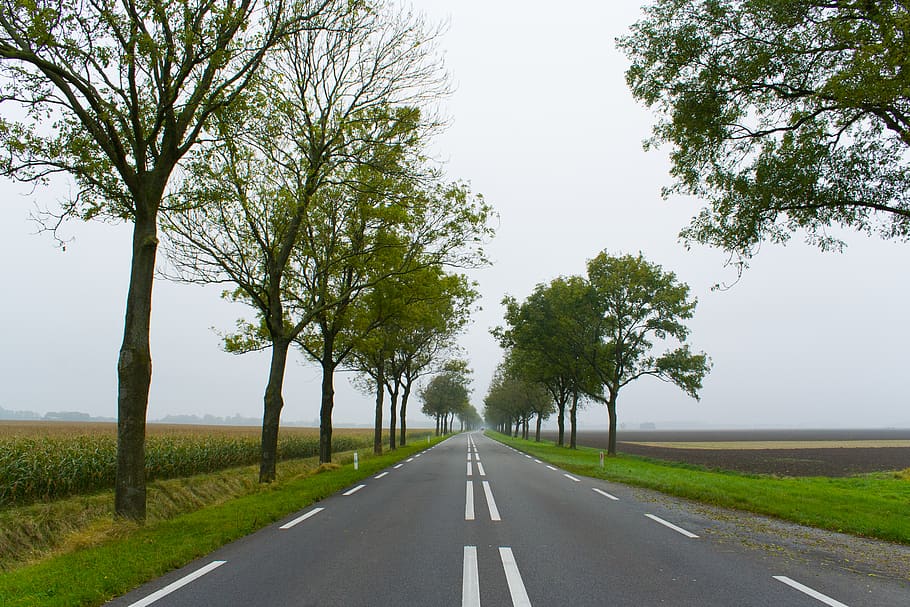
473, 522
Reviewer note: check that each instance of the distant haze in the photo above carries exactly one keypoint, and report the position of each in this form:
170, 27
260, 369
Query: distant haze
543, 125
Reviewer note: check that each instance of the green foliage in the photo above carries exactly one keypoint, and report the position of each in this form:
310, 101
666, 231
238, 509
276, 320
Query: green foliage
49, 467
784, 115
635, 302
448, 392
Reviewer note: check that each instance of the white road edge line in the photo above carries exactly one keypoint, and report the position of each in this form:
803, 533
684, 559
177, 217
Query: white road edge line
513, 578
379, 476
537, 461
657, 519
827, 600
480, 469
301, 518
551, 467
470, 470
409, 460
491, 503
354, 490
605, 494
470, 580
177, 585
469, 502
397, 467
571, 478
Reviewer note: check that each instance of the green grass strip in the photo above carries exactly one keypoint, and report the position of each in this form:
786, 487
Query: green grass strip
95, 575
868, 505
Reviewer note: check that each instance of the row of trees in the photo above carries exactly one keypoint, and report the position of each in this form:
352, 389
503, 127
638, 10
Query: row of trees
297, 135
446, 397
580, 338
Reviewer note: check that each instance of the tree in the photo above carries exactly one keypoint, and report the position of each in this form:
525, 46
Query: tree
546, 336
447, 394
421, 313
333, 103
782, 114
513, 399
115, 94
636, 302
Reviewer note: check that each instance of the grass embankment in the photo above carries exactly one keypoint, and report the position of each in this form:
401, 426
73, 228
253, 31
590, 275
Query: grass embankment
130, 555
869, 505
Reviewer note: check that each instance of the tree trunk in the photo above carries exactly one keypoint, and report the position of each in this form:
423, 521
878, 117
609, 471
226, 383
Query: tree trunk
537, 435
377, 428
437, 424
573, 419
134, 373
561, 423
611, 411
328, 402
393, 397
403, 434
517, 427
271, 413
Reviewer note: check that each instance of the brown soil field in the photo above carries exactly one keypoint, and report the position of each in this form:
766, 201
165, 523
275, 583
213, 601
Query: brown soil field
804, 459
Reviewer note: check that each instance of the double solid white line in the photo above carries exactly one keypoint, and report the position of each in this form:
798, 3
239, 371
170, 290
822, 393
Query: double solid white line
470, 585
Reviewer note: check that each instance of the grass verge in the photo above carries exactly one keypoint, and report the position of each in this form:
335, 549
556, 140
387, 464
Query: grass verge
140, 553
868, 505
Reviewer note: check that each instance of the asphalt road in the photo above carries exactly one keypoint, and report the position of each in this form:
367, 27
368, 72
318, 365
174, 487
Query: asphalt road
472, 522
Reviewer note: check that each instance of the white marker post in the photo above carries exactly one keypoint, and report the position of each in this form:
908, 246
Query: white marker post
357, 461
601, 460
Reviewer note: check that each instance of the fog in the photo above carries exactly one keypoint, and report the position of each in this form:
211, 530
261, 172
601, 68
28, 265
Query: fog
542, 124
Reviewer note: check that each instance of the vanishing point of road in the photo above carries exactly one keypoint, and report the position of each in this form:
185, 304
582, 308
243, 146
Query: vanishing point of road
473, 522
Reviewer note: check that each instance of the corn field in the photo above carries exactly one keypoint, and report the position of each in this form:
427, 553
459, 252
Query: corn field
59, 464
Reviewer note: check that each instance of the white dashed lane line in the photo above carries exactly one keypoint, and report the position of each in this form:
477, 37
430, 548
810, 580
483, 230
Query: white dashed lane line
480, 469
572, 478
552, 468
177, 585
491, 503
827, 600
378, 476
669, 525
397, 467
605, 494
301, 518
513, 578
470, 580
469, 502
354, 490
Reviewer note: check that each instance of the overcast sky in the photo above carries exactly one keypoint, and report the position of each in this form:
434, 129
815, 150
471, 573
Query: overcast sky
545, 128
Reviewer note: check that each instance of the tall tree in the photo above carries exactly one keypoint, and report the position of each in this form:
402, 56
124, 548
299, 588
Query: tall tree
635, 302
782, 114
333, 102
115, 94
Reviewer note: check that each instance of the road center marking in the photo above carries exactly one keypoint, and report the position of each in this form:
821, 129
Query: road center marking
491, 503
470, 470
605, 494
480, 469
378, 476
354, 490
513, 578
827, 600
469, 502
657, 519
572, 478
470, 580
178, 584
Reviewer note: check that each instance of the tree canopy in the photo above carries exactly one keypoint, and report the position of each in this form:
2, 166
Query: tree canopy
783, 115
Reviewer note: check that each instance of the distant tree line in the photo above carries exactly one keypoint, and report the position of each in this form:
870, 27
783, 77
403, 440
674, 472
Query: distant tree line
585, 338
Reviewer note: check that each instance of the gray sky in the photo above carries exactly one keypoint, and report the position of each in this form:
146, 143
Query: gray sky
544, 126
